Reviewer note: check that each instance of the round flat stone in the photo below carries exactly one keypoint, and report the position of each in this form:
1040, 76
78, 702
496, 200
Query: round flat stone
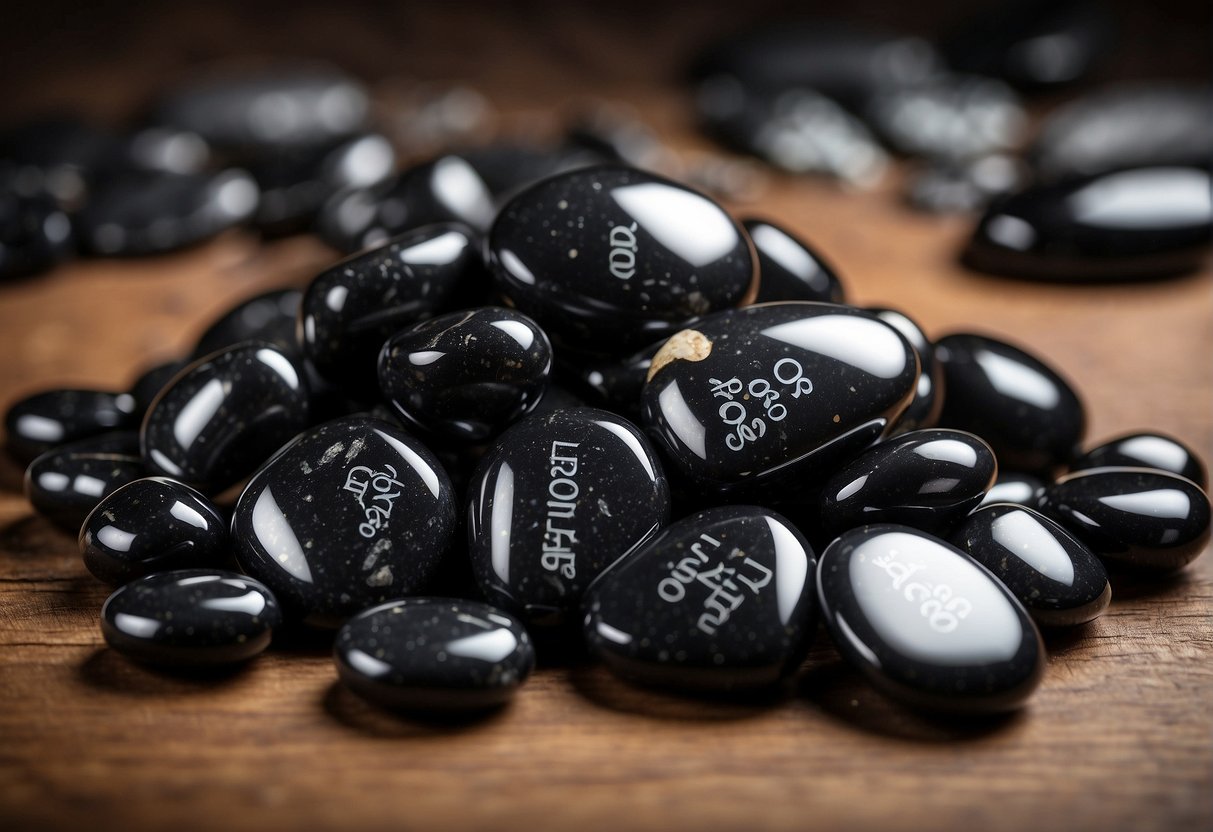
65, 484
1145, 450
45, 420
789, 268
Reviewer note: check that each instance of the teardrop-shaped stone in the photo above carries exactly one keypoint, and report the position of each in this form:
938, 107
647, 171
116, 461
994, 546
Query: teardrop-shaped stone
755, 398
434, 654
1058, 579
352, 513
609, 259
555, 501
924, 410
1145, 450
1022, 407
925, 623
46, 420
789, 268
65, 484
1140, 516
224, 415
152, 525
190, 618
269, 317
720, 600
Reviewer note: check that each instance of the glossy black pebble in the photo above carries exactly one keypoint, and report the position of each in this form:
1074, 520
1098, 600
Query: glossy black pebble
151, 525
151, 381
1023, 408
926, 624
46, 420
1139, 516
924, 410
65, 484
1145, 450
434, 654
555, 501
35, 233
1056, 577
1015, 487
190, 618
789, 268
720, 600
466, 375
269, 317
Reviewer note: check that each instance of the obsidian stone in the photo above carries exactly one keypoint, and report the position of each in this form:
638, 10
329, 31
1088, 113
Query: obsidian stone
1015, 487
789, 268
152, 525
1140, 516
65, 484
466, 375
613, 384
925, 623
757, 398
1028, 413
557, 500
962, 185
1145, 450
556, 398
720, 600
1127, 225
352, 513
353, 307
45, 420
224, 415
507, 167
924, 410
151, 381
926, 479
190, 618
434, 654
269, 317
609, 259
166, 149
35, 233
1058, 580
56, 156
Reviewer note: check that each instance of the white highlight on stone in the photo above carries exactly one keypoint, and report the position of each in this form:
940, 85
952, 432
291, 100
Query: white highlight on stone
517, 330
278, 538
502, 522
689, 430
1023, 534
626, 437
1018, 381
491, 646
428, 475
198, 411
791, 568
863, 343
684, 222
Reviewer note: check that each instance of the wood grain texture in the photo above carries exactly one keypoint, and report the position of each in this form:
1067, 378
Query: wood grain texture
1120, 735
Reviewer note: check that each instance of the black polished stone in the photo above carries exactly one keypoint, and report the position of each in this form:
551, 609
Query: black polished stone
167, 149
1140, 516
56, 156
46, 420
613, 384
1015, 487
1028, 413
224, 415
353, 307
1059, 581
924, 410
352, 513
789, 268
1145, 450
466, 375
151, 381
556, 398
926, 624
557, 500
151, 525
719, 601
609, 259
434, 654
35, 233
65, 484
269, 317
926, 479
1126, 225
962, 185
190, 618
758, 398
509, 166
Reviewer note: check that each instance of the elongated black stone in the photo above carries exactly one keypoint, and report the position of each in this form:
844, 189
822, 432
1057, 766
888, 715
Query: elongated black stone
1145, 450
924, 410
65, 484
789, 268
51, 418
268, 317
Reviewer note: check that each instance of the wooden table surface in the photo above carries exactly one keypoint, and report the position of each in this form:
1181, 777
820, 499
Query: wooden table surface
1119, 736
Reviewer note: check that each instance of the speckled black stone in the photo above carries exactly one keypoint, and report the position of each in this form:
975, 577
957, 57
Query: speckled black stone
151, 381
787, 388
1015, 487
224, 415
51, 418
1145, 450
613, 384
609, 259
790, 269
190, 618
1058, 579
35, 233
269, 317
1022, 407
466, 375
924, 410
1140, 516
927, 479
925, 623
555, 501
151, 525
352, 513
1107, 227
351, 308
434, 654
65, 484
720, 600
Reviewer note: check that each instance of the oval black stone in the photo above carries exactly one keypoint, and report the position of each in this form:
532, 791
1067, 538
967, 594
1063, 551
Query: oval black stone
1145, 450
924, 410
434, 654
925, 623
557, 500
151, 525
1015, 487
151, 381
466, 375
352, 513
755, 397
613, 384
35, 233
65, 484
1140, 516
1058, 580
190, 618
789, 268
46, 420
609, 259
720, 600
224, 415
1028, 413
269, 317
